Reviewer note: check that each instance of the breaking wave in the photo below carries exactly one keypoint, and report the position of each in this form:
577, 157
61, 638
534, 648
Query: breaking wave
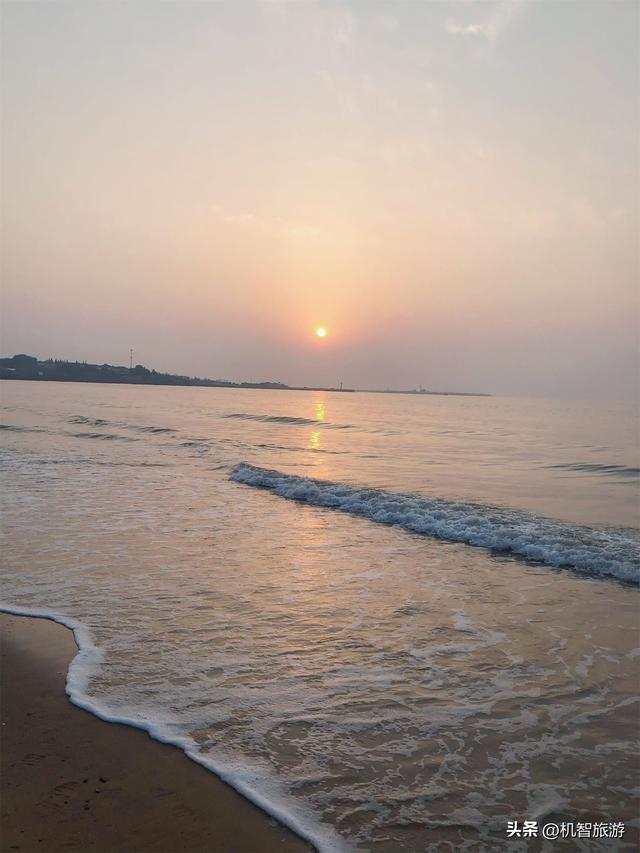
81, 419
598, 468
303, 449
104, 436
604, 553
16, 428
100, 422
286, 419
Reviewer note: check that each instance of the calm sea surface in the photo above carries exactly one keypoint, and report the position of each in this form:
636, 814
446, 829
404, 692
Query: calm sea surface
397, 622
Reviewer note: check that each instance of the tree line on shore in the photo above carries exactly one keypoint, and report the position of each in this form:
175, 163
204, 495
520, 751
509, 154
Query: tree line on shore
23, 366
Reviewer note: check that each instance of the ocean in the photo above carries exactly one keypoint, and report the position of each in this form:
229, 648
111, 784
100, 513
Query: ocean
394, 622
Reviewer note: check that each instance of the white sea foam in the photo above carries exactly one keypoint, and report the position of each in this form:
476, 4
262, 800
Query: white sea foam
605, 552
242, 777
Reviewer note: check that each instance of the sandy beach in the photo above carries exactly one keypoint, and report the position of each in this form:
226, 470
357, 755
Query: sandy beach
73, 782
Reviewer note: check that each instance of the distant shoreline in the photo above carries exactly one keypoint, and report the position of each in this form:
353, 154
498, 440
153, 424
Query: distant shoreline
427, 393
29, 369
234, 386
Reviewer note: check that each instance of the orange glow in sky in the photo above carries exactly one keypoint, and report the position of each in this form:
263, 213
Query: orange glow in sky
404, 202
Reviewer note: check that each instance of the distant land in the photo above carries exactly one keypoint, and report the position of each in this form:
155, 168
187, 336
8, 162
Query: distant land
28, 367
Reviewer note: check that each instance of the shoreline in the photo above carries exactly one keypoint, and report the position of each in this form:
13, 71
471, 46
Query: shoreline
248, 386
72, 781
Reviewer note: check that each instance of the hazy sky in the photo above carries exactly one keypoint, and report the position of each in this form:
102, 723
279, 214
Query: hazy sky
451, 188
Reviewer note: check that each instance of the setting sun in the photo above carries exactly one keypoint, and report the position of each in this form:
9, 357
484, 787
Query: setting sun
321, 332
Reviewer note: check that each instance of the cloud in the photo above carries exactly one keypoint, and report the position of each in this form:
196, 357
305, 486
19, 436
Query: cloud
501, 18
344, 28
267, 224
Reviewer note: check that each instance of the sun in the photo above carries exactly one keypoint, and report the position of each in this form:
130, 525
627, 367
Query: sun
321, 332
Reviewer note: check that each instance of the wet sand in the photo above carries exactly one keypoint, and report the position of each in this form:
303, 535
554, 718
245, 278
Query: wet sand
71, 781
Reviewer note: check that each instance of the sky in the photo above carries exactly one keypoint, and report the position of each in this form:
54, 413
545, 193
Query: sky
450, 188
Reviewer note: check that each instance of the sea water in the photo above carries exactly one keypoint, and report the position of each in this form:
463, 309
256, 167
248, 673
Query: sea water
395, 622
